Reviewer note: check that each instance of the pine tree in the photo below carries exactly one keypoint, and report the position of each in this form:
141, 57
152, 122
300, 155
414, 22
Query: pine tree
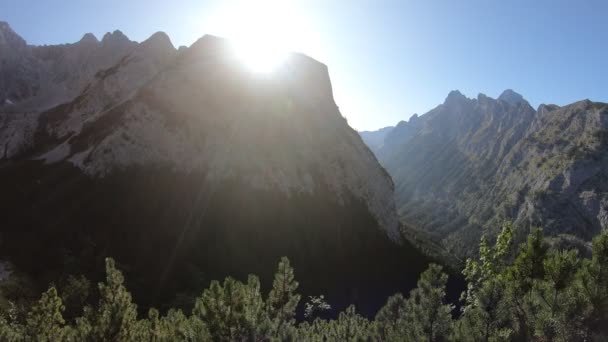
233, 311
10, 329
492, 261
153, 329
74, 293
216, 309
315, 305
10, 332
484, 310
45, 321
349, 326
545, 295
282, 300
255, 317
556, 318
317, 331
182, 328
116, 315
389, 319
83, 327
593, 280
427, 310
392, 310
521, 278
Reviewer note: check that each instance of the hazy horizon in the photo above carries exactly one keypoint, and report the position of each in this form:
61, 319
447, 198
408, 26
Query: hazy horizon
386, 62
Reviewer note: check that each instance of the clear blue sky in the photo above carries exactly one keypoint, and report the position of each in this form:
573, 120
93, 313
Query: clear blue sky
387, 59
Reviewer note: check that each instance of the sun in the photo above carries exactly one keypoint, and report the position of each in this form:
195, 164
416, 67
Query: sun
262, 32
259, 51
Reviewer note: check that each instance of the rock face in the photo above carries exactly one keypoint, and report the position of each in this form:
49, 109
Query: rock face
202, 111
511, 97
375, 139
35, 78
465, 166
169, 159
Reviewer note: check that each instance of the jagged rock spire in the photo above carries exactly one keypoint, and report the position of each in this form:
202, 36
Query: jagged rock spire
511, 97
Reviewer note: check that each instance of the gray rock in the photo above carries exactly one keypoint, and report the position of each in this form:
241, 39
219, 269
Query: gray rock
375, 139
511, 97
469, 164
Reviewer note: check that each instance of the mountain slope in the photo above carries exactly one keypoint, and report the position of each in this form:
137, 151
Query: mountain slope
468, 164
34, 78
187, 167
375, 139
204, 112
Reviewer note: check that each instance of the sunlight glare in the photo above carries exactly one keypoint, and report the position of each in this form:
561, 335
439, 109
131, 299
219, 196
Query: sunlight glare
259, 53
262, 32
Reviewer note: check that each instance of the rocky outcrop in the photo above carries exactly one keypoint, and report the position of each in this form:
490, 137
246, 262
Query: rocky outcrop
34, 78
511, 97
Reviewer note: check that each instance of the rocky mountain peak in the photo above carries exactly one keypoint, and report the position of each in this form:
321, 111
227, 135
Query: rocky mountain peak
209, 44
9, 37
309, 76
511, 97
158, 47
455, 96
4, 26
401, 123
35, 78
88, 38
159, 40
481, 98
413, 119
116, 38
545, 108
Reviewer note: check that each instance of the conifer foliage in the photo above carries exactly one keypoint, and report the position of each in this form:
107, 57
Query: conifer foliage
525, 293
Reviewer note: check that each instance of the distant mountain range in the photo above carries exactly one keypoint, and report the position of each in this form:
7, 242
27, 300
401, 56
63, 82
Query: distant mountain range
469, 164
186, 167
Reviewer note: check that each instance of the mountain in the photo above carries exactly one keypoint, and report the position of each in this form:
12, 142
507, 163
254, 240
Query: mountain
187, 167
40, 77
375, 139
467, 165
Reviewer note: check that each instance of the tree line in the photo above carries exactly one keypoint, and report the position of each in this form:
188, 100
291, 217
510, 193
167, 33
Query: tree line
514, 293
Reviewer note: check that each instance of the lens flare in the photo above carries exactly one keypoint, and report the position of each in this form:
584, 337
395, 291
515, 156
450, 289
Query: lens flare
263, 32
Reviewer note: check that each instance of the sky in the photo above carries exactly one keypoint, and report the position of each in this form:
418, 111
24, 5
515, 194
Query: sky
387, 59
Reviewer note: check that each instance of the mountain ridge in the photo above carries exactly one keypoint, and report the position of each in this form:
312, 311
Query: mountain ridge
470, 163
167, 158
